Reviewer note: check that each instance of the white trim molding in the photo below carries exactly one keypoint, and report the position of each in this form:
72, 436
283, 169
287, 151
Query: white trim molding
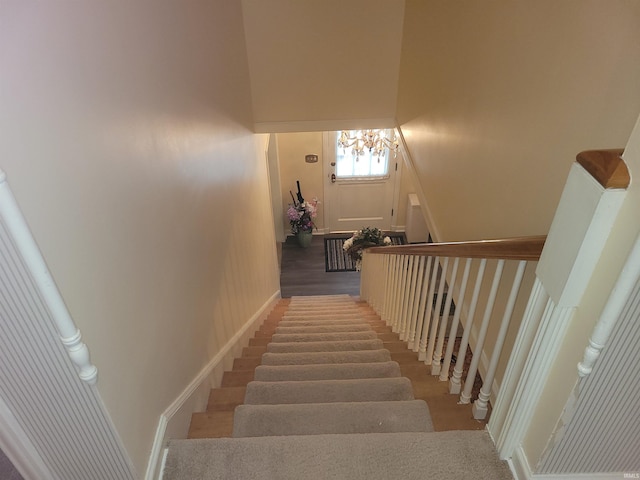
424, 206
522, 471
180, 408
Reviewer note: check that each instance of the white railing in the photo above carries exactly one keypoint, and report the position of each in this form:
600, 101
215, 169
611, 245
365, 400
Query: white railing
12, 219
423, 293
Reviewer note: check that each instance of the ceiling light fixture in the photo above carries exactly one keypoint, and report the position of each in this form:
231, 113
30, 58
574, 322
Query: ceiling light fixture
375, 141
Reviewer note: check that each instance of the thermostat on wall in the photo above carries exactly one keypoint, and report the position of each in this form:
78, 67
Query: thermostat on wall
311, 158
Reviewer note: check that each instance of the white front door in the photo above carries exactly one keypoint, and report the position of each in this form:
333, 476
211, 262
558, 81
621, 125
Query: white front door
357, 195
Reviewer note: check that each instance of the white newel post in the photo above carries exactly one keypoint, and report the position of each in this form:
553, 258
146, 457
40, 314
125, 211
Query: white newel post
581, 226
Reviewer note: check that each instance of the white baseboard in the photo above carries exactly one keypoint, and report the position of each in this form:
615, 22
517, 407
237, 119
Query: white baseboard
519, 465
177, 416
521, 470
585, 476
397, 228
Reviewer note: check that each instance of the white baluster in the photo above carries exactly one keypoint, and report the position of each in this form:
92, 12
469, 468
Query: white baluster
436, 314
444, 372
416, 302
406, 311
392, 291
388, 287
411, 291
401, 294
397, 294
364, 277
426, 287
455, 385
437, 353
408, 264
422, 351
381, 282
378, 283
480, 406
465, 397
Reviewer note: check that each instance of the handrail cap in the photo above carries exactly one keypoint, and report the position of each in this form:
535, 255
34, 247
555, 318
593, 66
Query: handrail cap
518, 248
606, 166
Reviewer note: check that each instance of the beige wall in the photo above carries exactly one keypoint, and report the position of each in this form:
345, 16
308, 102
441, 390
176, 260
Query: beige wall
323, 60
292, 148
496, 99
125, 135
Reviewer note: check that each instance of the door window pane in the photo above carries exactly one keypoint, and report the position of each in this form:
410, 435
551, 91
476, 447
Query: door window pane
356, 160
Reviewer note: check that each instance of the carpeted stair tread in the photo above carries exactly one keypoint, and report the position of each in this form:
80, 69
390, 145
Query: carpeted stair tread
322, 337
319, 306
322, 418
362, 356
337, 315
316, 322
339, 346
307, 298
280, 373
359, 327
407, 456
327, 391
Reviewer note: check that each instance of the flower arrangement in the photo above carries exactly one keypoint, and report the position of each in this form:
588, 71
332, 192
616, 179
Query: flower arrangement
362, 239
301, 216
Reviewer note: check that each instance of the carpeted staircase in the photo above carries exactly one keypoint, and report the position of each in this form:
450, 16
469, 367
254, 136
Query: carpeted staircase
327, 401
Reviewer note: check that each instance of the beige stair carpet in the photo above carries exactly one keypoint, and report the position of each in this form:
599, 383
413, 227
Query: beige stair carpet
328, 402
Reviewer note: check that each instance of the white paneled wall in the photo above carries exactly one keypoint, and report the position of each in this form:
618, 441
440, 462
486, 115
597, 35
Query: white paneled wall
43, 396
603, 434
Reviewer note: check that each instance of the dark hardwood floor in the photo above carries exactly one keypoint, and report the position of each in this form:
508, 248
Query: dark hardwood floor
303, 272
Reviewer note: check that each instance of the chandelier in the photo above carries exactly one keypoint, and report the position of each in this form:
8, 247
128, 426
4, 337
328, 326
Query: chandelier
375, 141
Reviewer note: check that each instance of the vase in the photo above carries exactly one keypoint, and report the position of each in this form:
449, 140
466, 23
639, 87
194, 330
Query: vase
304, 239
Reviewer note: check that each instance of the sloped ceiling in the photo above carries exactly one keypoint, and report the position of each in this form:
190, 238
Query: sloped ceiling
323, 64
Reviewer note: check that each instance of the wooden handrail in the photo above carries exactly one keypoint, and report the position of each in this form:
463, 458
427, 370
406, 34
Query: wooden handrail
606, 166
519, 248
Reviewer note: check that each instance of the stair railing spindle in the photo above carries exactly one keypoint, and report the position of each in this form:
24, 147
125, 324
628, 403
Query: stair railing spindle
406, 275
480, 406
393, 290
465, 396
437, 354
412, 267
444, 372
397, 310
426, 288
397, 307
367, 267
375, 283
422, 352
388, 287
455, 384
437, 313
411, 295
416, 302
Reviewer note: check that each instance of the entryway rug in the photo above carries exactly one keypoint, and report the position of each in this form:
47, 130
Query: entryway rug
337, 260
